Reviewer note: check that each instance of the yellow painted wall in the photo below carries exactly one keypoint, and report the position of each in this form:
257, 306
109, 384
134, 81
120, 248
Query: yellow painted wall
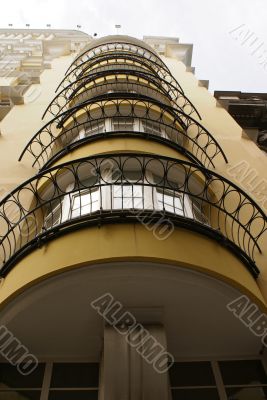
112, 145
130, 242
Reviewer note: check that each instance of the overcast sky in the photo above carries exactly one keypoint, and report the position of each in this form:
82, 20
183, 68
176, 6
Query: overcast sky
218, 55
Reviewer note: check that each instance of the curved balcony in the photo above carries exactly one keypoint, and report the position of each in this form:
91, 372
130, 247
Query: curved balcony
123, 58
162, 123
129, 188
122, 80
130, 45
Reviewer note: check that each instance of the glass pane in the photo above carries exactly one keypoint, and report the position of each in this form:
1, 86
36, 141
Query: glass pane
73, 395
89, 129
117, 203
191, 374
74, 375
11, 378
128, 203
53, 218
127, 191
171, 202
177, 201
246, 393
195, 394
128, 196
132, 190
84, 203
117, 190
21, 395
198, 213
86, 199
80, 200
53, 213
138, 191
151, 127
242, 372
138, 203
125, 124
94, 128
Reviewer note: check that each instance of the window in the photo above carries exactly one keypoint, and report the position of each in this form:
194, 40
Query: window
126, 194
123, 89
193, 381
181, 204
53, 216
84, 202
244, 379
95, 127
195, 394
78, 375
171, 201
164, 131
253, 393
77, 381
123, 124
90, 129
198, 212
68, 381
14, 385
243, 372
73, 205
152, 127
129, 191
191, 374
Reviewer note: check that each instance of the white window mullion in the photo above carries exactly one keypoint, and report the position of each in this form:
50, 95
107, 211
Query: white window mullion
137, 126
66, 206
148, 192
106, 191
108, 124
187, 206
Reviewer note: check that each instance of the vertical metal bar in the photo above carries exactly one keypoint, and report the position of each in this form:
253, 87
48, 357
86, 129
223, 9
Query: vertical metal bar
218, 380
46, 381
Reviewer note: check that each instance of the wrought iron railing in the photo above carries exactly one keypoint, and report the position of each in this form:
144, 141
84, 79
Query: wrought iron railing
127, 80
121, 47
103, 54
123, 188
196, 141
124, 58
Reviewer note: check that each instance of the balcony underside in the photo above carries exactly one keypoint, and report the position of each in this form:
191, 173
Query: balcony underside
53, 317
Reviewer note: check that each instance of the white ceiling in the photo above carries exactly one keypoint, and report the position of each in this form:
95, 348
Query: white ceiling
54, 318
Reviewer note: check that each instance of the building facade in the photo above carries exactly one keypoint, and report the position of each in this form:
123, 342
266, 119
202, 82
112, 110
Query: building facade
250, 112
24, 55
133, 233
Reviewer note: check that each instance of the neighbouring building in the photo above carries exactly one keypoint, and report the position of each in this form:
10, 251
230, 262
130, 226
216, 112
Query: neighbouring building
250, 112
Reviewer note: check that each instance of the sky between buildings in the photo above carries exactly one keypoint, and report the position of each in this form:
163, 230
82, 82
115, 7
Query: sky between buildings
229, 36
